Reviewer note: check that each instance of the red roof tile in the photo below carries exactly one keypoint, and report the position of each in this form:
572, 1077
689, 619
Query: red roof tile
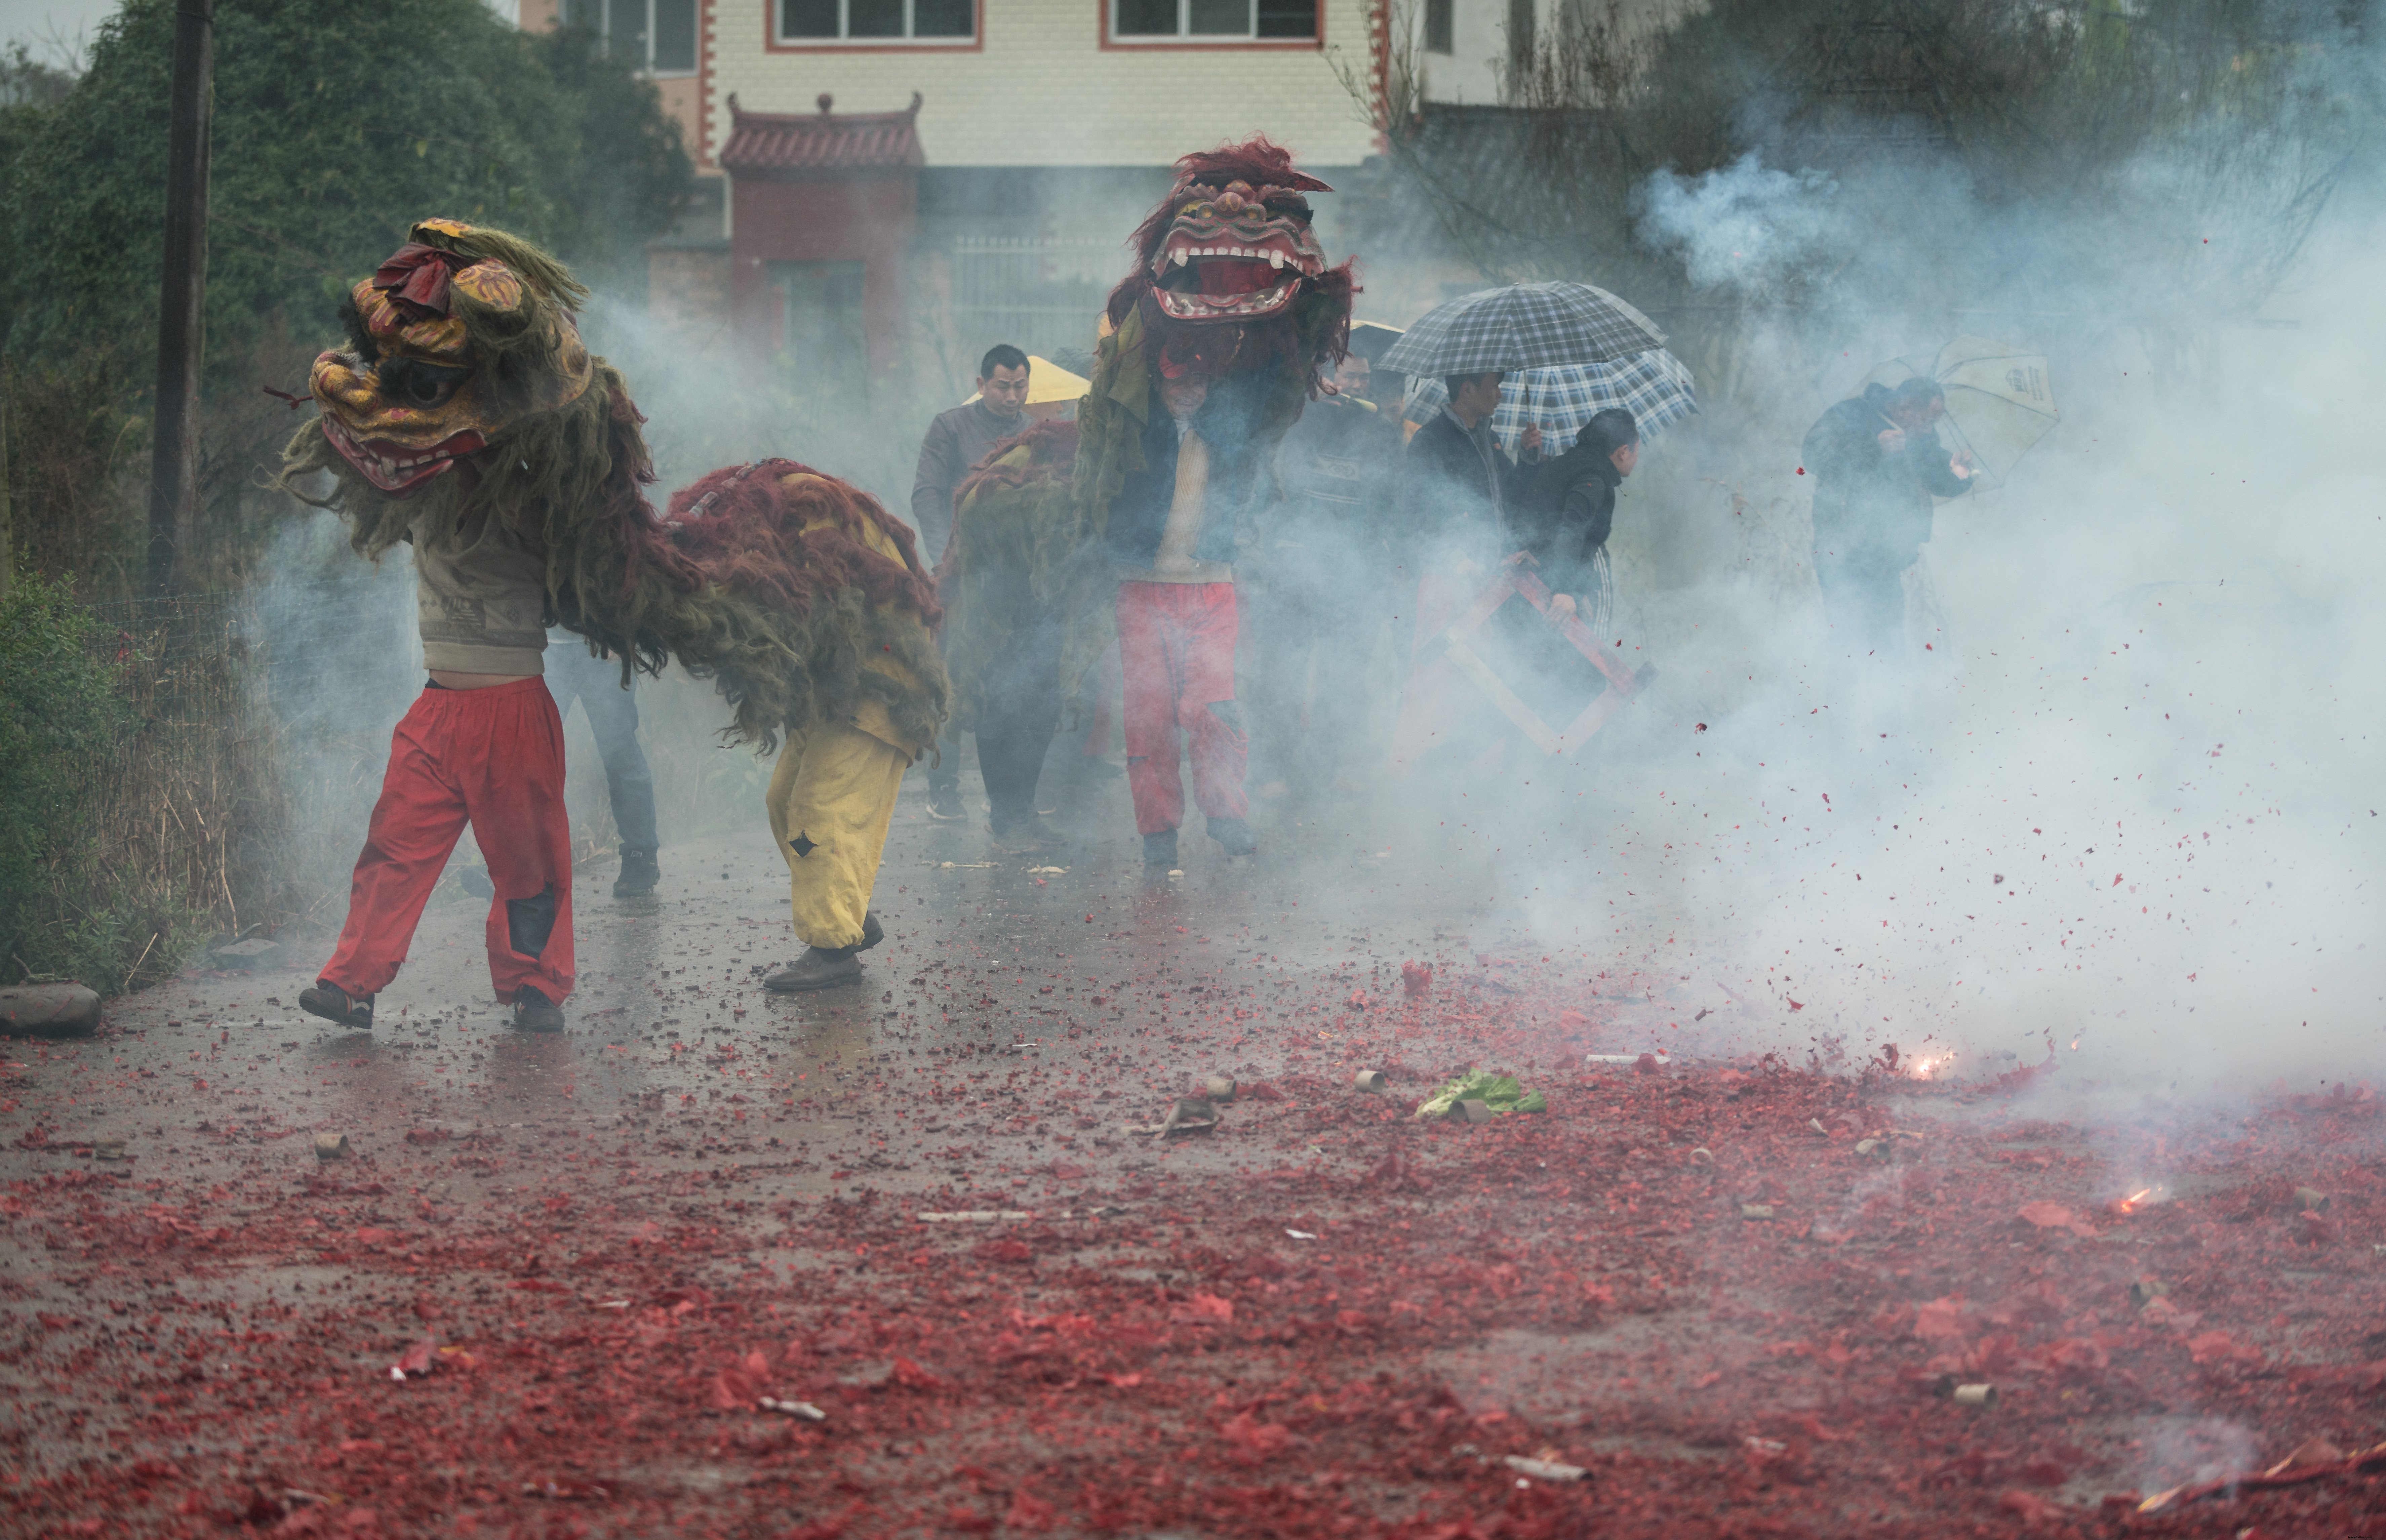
823, 140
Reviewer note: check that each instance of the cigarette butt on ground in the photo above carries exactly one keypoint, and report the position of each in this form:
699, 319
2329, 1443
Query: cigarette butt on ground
1974, 1396
1626, 1060
331, 1146
1474, 1109
974, 1216
1370, 1080
1703, 1157
804, 1410
1219, 1088
1756, 1211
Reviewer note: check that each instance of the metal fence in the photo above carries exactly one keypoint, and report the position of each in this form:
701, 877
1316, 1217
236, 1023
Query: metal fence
253, 716
1041, 295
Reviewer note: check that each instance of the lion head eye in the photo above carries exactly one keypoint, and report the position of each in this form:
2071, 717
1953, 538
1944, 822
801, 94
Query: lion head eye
411, 383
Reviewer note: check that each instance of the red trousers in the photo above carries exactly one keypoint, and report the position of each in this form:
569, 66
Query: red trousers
1176, 652
494, 758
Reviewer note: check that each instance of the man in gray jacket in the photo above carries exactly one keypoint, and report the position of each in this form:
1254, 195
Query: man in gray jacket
956, 441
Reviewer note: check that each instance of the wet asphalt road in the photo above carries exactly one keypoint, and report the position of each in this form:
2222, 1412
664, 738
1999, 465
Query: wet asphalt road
1077, 975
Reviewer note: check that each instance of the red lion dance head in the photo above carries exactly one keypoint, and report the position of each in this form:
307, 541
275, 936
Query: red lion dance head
1229, 275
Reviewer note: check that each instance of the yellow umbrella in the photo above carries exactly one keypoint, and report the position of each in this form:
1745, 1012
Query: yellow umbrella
1050, 385
1999, 401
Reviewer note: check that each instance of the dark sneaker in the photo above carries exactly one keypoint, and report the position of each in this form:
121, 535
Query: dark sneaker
639, 874
1029, 836
1235, 835
818, 969
1160, 849
944, 803
534, 1012
475, 879
335, 1005
872, 933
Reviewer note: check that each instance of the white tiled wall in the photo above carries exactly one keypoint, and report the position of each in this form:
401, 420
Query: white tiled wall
1044, 92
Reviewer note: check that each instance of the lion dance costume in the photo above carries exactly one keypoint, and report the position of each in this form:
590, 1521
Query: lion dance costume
465, 417
1210, 346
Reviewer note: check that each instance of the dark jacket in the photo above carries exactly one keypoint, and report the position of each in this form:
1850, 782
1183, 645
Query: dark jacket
1228, 423
1565, 515
1453, 494
956, 441
1872, 508
1338, 468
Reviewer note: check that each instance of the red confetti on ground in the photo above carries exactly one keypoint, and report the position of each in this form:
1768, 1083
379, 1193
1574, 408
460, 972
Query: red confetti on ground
582, 1351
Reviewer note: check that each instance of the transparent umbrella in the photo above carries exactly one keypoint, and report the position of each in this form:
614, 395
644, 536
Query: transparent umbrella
1999, 401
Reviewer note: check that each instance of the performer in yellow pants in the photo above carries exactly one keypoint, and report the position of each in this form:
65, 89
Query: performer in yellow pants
832, 794
831, 799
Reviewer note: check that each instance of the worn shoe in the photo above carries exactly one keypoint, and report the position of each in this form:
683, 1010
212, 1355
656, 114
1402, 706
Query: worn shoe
944, 803
475, 879
534, 1012
1235, 835
1029, 836
824, 966
1160, 849
640, 873
819, 967
335, 1005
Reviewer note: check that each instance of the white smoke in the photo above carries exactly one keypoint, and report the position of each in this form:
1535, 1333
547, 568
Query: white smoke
1745, 228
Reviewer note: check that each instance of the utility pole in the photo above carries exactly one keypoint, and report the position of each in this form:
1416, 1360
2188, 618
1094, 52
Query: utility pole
182, 309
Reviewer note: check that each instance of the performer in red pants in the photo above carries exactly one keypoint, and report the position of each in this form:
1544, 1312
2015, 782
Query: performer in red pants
482, 744
1176, 648
493, 757
1171, 542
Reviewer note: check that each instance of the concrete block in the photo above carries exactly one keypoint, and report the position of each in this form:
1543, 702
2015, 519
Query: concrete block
48, 1011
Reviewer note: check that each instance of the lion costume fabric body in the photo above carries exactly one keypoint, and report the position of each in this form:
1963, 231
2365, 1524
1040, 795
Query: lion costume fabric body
1229, 279
1230, 283
466, 391
466, 400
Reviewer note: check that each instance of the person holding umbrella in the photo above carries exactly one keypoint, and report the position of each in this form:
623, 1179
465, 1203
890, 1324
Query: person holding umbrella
1458, 483
1877, 463
1563, 522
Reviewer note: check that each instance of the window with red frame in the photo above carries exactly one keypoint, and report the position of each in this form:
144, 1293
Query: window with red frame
877, 21
1212, 20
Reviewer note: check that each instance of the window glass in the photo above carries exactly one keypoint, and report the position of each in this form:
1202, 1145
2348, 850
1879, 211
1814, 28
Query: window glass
807, 17
1146, 17
1286, 19
626, 31
874, 19
674, 35
1438, 28
1211, 17
1214, 19
943, 18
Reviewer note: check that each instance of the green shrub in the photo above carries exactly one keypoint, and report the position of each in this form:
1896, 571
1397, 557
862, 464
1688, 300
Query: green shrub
62, 716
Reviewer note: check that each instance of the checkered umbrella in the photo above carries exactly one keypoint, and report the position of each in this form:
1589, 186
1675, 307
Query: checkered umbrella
1523, 326
1654, 386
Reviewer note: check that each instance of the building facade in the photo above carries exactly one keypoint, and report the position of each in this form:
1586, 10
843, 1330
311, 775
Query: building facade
885, 180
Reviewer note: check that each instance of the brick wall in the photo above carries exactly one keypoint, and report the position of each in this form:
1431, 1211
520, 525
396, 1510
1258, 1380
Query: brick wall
1043, 91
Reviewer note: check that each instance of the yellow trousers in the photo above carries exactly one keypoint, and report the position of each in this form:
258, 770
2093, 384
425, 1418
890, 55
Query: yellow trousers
831, 799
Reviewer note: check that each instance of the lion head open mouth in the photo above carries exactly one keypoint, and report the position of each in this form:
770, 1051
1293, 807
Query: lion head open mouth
398, 468
1234, 254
